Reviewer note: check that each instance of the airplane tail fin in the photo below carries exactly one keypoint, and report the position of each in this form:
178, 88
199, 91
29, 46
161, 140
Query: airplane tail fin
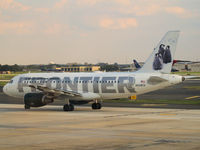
137, 66
162, 57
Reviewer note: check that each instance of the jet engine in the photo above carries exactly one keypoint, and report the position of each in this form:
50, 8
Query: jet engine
36, 99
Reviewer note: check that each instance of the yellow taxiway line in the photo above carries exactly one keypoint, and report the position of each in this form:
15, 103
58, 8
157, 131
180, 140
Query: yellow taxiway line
192, 97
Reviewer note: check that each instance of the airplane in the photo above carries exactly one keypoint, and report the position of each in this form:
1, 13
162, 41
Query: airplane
137, 65
39, 89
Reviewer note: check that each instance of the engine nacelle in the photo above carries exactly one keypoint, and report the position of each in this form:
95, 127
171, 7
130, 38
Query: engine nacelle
36, 99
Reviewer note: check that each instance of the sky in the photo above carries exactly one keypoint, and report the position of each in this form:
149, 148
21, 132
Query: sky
93, 31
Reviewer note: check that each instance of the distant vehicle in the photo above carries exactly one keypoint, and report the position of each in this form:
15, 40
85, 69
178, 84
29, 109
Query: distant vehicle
186, 63
39, 89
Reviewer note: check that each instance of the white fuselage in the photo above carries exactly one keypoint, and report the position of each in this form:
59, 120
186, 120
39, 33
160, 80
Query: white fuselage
101, 85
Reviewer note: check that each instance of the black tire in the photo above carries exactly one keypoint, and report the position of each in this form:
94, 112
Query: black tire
27, 107
96, 106
66, 107
69, 107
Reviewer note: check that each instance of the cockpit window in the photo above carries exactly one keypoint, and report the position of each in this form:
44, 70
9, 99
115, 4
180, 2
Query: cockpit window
11, 81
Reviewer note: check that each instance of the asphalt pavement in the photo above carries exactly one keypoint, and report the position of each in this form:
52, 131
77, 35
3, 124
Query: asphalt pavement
111, 128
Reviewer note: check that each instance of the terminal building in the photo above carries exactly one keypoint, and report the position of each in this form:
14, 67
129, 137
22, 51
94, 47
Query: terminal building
80, 68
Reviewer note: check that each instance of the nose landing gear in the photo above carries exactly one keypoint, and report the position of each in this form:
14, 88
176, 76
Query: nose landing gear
68, 107
26, 107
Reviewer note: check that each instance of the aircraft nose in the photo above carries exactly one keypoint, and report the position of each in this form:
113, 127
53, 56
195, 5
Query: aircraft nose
5, 89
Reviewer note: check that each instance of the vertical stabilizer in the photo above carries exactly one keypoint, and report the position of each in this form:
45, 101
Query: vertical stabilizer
162, 57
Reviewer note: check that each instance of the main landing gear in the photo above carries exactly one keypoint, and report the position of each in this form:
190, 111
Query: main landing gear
68, 106
96, 105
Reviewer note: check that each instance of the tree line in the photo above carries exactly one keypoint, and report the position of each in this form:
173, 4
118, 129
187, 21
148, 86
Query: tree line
13, 68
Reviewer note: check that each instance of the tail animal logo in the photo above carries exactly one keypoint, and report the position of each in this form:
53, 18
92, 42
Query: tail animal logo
162, 57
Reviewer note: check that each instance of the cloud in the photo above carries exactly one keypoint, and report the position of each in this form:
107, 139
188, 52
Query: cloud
88, 2
42, 10
121, 23
140, 10
179, 11
94, 2
57, 6
11, 4
147, 10
53, 29
175, 10
16, 27
123, 2
60, 4
56, 28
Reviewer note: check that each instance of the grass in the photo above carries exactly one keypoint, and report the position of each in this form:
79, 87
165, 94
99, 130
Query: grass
187, 102
7, 76
10, 76
192, 87
2, 83
187, 73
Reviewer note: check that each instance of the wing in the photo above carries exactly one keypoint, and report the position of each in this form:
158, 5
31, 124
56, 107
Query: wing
55, 92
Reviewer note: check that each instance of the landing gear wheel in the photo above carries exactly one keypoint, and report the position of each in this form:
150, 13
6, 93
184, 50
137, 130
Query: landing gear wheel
69, 107
96, 106
27, 107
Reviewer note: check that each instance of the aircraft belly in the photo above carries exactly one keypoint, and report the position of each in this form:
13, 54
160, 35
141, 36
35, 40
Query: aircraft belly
116, 95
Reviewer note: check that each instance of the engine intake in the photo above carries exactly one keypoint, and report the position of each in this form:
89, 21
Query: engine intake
36, 99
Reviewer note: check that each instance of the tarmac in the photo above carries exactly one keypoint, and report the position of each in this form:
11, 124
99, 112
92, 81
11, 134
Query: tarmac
109, 128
